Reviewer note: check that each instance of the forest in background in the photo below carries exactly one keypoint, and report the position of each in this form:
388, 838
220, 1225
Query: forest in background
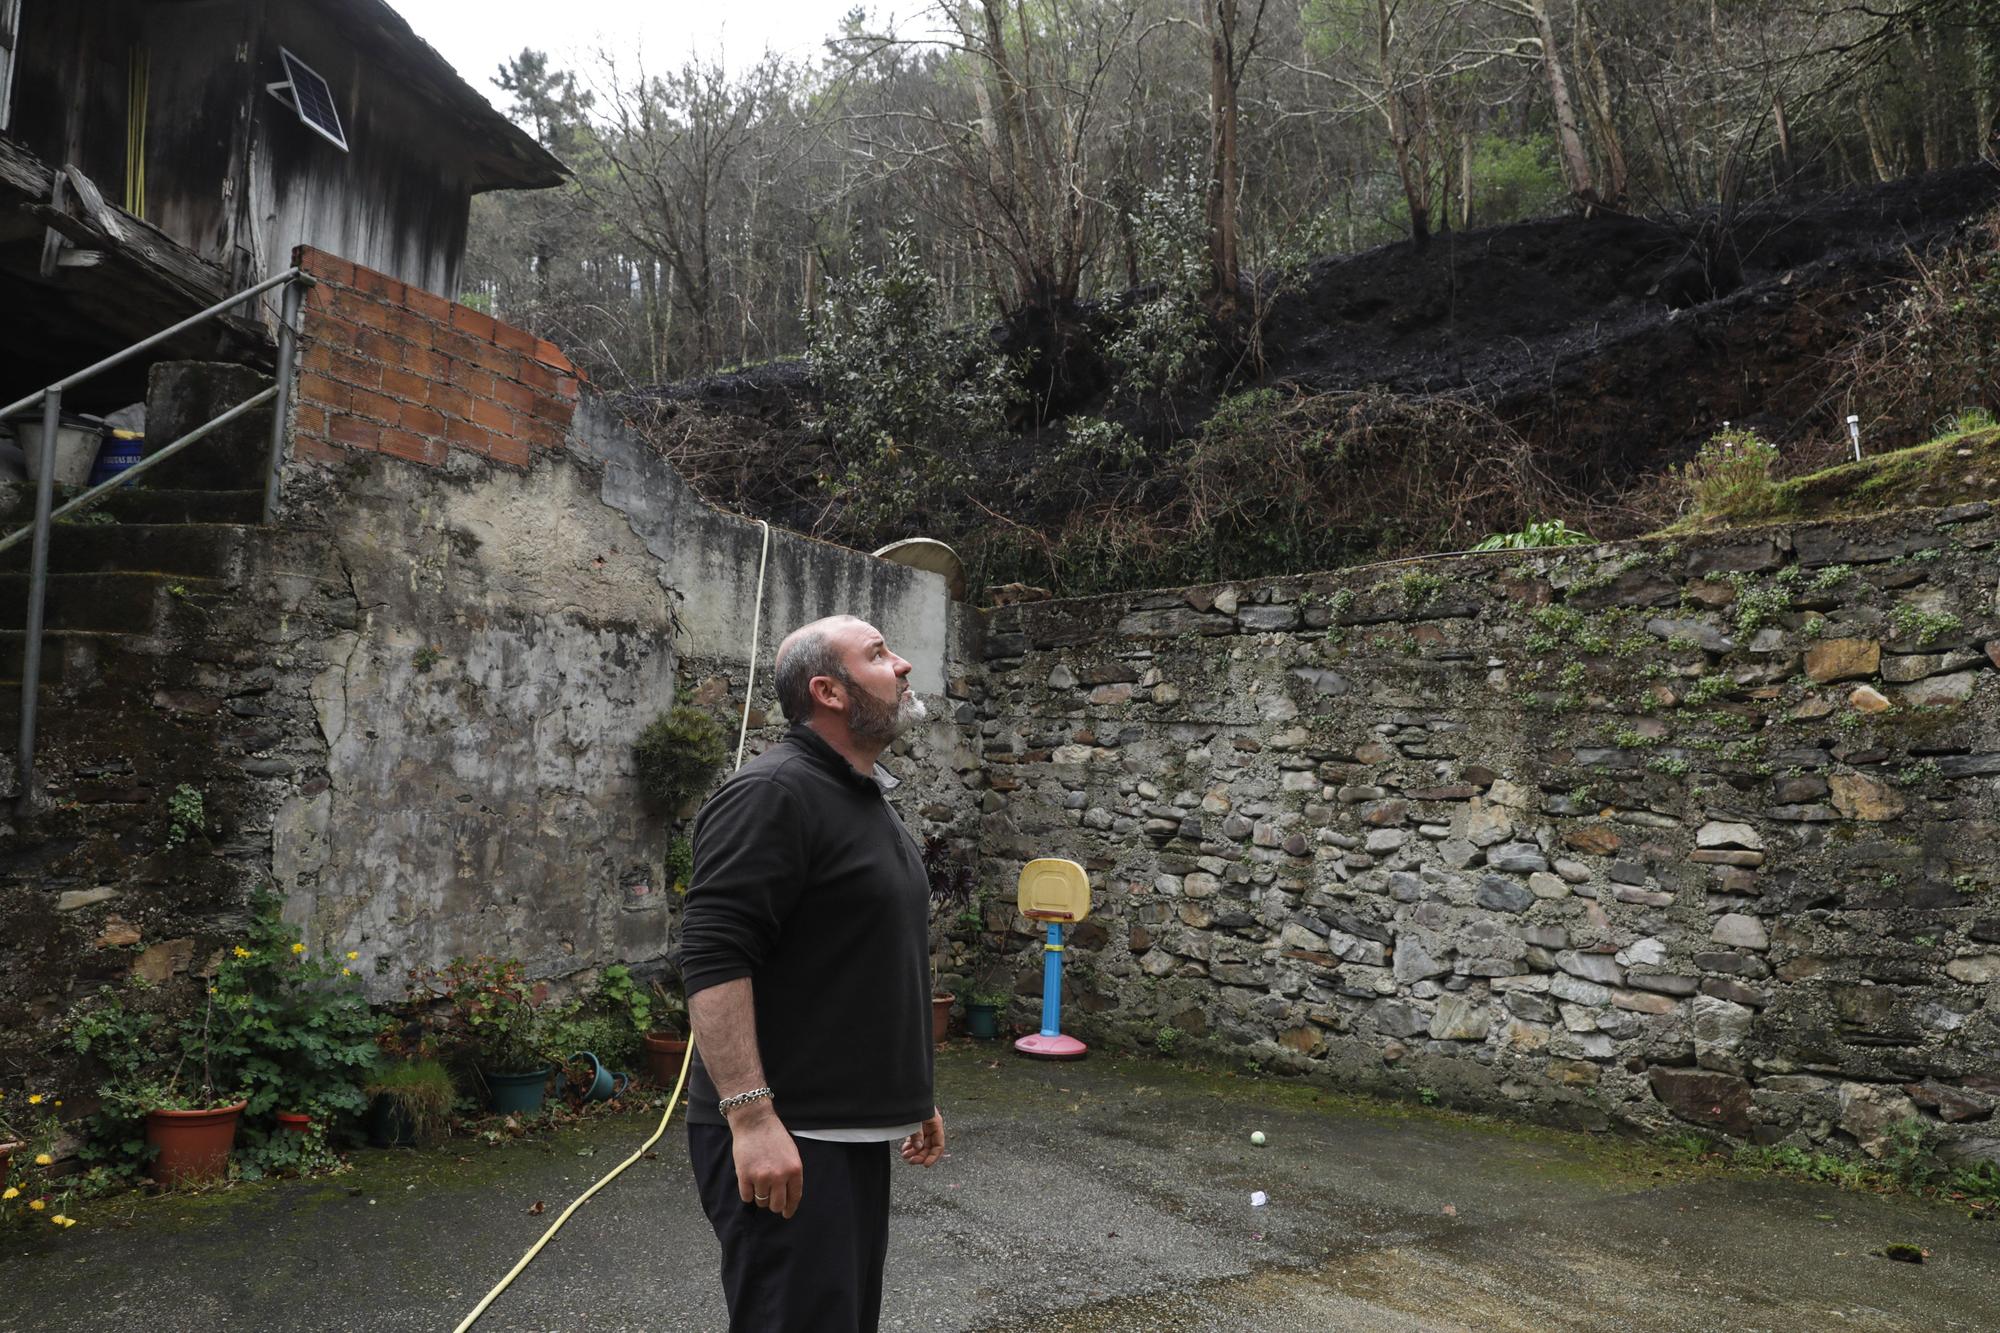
1037, 153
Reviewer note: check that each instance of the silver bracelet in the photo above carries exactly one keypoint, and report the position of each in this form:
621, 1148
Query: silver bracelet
728, 1104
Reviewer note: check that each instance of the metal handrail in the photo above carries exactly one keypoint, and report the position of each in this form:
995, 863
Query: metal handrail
295, 282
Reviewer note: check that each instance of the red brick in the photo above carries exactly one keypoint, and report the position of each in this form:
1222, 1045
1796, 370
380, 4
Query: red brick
312, 449
368, 404
515, 453
543, 434
513, 339
505, 364
354, 431
538, 375
379, 285
552, 356
384, 347
416, 448
550, 408
409, 324
517, 396
468, 436
323, 265
456, 345
308, 419
332, 331
448, 399
402, 384
323, 360
423, 420
472, 380
431, 365
319, 389
372, 314
493, 416
428, 304
467, 320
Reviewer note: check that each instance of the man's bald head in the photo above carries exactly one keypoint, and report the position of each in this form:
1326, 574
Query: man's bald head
811, 650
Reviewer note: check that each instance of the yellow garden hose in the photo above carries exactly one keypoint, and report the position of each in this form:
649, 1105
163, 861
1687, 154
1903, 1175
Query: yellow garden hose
742, 739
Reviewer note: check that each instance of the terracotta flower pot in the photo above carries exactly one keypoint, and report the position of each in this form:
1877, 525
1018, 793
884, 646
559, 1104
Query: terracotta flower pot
664, 1053
6, 1161
194, 1145
296, 1122
941, 1015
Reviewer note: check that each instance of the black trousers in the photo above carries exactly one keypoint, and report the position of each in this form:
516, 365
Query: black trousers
821, 1270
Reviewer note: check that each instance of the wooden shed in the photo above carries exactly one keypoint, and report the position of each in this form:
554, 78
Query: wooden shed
156, 155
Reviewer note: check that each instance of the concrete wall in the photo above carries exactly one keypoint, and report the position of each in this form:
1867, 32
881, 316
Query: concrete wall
534, 586
1651, 834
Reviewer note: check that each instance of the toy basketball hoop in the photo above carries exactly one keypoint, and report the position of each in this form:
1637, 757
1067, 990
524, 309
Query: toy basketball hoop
1057, 893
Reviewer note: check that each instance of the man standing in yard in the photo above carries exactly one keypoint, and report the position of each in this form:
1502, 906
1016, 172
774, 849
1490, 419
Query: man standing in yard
803, 949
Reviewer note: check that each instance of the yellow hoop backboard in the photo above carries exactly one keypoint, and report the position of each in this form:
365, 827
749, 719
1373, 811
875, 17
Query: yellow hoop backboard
1054, 890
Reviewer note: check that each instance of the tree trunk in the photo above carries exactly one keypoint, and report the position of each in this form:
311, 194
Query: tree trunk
1602, 109
1225, 283
1415, 190
1576, 162
1786, 172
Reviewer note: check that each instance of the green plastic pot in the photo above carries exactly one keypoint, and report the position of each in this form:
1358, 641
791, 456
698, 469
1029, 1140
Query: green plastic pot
512, 1093
982, 1021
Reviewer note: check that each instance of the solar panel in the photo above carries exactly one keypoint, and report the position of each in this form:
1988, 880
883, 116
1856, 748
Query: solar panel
313, 99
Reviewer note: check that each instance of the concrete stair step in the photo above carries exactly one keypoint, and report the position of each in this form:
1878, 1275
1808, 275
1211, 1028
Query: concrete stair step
141, 504
200, 550
112, 603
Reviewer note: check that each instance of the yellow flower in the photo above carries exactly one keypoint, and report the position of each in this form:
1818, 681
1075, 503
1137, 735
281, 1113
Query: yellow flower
11, 1193
34, 1099
347, 971
212, 990
37, 1204
43, 1159
298, 946
353, 954
67, 1221
242, 952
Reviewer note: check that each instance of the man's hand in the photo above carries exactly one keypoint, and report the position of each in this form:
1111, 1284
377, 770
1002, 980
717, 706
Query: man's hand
926, 1146
768, 1171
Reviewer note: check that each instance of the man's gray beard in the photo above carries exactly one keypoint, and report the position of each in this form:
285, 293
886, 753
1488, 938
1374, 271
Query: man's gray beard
872, 720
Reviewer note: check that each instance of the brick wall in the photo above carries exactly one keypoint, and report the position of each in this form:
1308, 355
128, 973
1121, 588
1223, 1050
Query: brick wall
390, 368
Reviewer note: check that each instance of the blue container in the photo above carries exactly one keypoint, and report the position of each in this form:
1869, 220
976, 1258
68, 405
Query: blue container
517, 1092
115, 455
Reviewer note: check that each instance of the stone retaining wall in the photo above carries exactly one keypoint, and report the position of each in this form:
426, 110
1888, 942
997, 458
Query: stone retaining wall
1647, 833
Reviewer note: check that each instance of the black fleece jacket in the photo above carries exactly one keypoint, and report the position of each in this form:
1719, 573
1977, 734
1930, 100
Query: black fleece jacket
806, 882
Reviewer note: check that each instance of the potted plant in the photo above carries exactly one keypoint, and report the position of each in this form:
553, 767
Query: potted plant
982, 1014
951, 882
306, 1029
497, 1022
665, 1040
409, 1102
191, 1108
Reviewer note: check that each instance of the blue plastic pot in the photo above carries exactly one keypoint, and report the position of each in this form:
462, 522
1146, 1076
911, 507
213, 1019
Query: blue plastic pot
510, 1093
603, 1085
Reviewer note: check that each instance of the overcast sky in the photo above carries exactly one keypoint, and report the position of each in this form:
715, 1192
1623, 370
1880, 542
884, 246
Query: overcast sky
477, 35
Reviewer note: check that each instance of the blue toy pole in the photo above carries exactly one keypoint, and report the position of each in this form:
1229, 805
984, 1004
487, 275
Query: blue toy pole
1050, 1043
1052, 982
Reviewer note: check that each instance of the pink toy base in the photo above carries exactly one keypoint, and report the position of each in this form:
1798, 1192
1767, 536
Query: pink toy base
1052, 1048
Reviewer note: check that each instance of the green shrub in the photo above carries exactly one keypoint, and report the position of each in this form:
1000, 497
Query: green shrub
900, 388
1164, 342
422, 1089
678, 754
1730, 477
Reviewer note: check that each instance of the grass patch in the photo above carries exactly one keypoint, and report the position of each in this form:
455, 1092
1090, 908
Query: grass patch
1954, 468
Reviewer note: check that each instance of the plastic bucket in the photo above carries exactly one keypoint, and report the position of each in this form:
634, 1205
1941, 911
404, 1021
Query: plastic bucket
76, 450
120, 451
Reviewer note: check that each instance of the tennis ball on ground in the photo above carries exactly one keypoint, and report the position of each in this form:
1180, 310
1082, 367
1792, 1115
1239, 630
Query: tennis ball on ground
1257, 1137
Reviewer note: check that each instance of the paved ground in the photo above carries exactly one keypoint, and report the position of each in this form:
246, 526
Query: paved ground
1099, 1196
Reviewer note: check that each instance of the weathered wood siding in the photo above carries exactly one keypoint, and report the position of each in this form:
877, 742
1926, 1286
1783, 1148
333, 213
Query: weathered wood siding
395, 202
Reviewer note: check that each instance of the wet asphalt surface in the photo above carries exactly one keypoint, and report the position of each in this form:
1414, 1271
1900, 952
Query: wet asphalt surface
1106, 1195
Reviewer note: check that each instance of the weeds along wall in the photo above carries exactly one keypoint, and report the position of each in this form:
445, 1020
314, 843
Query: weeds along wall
1652, 834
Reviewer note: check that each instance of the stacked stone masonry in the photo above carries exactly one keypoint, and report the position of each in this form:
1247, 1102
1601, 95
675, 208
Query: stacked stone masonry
389, 368
1646, 834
